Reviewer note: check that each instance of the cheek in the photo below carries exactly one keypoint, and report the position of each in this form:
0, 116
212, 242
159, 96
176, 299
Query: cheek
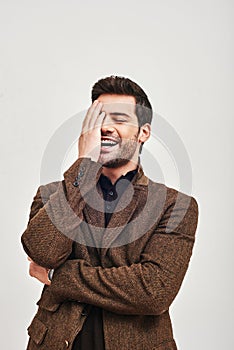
128, 132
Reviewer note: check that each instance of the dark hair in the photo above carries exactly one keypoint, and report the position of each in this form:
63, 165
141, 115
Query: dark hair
124, 86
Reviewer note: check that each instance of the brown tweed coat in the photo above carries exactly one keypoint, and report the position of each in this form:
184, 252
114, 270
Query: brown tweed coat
133, 275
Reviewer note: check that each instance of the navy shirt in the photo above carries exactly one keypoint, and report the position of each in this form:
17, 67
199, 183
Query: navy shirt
91, 336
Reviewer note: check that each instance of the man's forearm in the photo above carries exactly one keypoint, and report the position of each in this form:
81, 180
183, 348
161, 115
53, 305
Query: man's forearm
44, 239
56, 214
147, 287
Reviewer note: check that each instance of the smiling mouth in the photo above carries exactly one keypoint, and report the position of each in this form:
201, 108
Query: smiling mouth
108, 144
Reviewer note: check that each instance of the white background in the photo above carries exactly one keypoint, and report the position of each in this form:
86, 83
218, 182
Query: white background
181, 53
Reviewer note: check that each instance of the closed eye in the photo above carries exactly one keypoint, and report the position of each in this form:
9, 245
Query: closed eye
119, 117
117, 120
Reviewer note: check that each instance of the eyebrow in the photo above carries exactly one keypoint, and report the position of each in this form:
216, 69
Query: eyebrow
121, 114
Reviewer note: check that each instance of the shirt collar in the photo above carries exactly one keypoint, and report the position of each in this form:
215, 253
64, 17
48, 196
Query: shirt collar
106, 184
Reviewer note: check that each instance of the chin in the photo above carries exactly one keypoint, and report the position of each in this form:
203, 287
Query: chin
115, 163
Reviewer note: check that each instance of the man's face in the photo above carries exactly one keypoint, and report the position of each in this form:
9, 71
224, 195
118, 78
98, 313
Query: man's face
119, 130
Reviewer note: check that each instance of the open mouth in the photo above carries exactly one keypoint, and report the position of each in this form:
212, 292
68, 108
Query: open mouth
108, 143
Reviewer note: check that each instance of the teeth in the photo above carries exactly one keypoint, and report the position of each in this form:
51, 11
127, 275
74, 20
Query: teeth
108, 143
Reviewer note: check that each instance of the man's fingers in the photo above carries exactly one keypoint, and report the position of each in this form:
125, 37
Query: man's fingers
39, 272
95, 114
89, 115
99, 120
90, 137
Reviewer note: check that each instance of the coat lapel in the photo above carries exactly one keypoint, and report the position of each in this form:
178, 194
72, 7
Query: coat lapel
128, 207
93, 224
119, 219
94, 216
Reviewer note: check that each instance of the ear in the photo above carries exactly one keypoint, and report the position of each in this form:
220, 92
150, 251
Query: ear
144, 133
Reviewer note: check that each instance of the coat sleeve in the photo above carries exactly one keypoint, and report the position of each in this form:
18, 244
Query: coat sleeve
53, 220
42, 240
147, 287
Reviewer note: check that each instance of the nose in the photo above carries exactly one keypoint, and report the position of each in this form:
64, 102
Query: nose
107, 124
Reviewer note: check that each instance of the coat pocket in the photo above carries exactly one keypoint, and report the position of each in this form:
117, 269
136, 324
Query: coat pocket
37, 331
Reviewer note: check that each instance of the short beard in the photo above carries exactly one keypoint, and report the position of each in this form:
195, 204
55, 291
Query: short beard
116, 163
125, 155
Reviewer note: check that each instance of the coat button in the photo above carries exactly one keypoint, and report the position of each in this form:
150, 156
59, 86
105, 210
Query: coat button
84, 313
76, 183
67, 343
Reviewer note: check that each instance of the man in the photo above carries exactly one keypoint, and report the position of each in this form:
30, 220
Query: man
114, 244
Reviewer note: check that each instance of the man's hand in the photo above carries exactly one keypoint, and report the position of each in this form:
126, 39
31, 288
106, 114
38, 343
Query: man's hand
39, 272
90, 138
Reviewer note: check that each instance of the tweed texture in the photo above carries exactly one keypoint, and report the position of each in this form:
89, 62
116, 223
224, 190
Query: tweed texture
134, 283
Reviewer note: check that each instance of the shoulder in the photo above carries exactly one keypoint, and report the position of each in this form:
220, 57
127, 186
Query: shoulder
45, 191
174, 198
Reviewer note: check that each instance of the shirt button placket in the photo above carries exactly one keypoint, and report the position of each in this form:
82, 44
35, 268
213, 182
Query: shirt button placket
108, 207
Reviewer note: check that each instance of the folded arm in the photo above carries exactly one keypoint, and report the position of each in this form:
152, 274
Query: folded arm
43, 240
56, 213
147, 287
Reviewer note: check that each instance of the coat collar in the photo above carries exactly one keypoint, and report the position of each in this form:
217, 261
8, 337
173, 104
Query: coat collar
83, 165
88, 173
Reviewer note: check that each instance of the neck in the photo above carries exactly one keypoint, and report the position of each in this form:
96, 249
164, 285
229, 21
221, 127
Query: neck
115, 173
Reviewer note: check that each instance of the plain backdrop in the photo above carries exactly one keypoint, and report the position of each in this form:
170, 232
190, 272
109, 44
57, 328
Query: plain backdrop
181, 53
